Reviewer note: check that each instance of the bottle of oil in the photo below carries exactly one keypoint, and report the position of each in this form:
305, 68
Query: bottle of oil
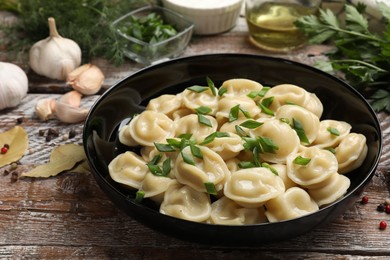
271, 23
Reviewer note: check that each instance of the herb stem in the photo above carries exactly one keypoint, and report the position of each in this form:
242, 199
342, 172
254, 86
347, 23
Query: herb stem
360, 62
364, 36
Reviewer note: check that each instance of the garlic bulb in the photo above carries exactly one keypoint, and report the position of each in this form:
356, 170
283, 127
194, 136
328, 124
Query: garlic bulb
86, 79
55, 56
13, 85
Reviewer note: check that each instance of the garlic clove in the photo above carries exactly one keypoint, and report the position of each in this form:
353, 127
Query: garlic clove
45, 108
72, 98
68, 114
87, 79
54, 57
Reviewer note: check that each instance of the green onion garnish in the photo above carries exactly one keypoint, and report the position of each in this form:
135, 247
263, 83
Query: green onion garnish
333, 131
139, 196
198, 89
214, 135
187, 158
298, 127
164, 147
210, 188
251, 124
221, 91
203, 110
233, 115
301, 160
204, 120
211, 85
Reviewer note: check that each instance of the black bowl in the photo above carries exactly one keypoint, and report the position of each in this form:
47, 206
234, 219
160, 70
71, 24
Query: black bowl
129, 96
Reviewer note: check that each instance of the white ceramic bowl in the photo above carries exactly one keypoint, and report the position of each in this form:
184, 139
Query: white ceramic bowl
209, 16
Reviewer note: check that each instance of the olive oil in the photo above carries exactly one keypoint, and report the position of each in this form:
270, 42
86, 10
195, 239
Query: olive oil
271, 25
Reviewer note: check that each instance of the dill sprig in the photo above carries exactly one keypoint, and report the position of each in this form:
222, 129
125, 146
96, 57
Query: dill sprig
87, 22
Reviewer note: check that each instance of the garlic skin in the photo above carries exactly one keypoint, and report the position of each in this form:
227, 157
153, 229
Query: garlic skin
86, 79
13, 85
55, 56
69, 114
45, 108
72, 98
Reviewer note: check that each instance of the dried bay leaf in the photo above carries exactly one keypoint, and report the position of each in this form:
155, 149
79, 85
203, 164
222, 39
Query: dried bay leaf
62, 158
17, 139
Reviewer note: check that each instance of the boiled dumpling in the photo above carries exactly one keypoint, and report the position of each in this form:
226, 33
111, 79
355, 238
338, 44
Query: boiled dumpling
225, 211
193, 100
182, 201
227, 147
240, 87
326, 138
190, 125
166, 104
154, 186
351, 152
252, 187
293, 203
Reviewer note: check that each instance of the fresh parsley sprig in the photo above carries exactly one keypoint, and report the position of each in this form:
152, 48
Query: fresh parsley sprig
362, 56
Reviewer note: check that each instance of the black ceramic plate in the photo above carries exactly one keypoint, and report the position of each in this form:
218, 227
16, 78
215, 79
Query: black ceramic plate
129, 96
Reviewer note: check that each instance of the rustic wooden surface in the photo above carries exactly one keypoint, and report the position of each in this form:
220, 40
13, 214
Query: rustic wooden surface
69, 217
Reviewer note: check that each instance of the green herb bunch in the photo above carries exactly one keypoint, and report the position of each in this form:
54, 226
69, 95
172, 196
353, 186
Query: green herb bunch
361, 55
87, 22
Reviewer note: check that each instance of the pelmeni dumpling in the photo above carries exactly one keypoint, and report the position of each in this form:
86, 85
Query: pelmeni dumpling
293, 203
190, 124
182, 201
240, 87
211, 169
166, 104
149, 127
232, 165
331, 190
314, 105
309, 121
325, 137
287, 94
252, 187
193, 100
227, 147
129, 169
322, 165
230, 127
154, 186
351, 152
181, 112
282, 135
148, 153
225, 104
225, 211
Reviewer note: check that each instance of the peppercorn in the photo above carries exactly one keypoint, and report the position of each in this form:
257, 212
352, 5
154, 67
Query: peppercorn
382, 225
6, 172
387, 209
19, 120
48, 138
14, 176
72, 133
41, 132
6, 146
381, 207
53, 132
4, 150
364, 200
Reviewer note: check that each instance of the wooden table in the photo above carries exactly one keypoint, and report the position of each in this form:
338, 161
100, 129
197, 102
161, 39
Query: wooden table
69, 217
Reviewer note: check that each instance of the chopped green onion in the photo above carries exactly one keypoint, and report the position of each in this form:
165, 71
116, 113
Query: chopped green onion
333, 131
155, 169
240, 131
251, 124
266, 110
256, 156
164, 147
246, 165
139, 196
156, 159
267, 101
195, 150
203, 110
186, 136
221, 91
187, 158
198, 89
166, 168
253, 94
284, 120
267, 145
273, 170
204, 120
301, 160
211, 85
263, 91
331, 149
233, 115
210, 188
250, 143
298, 127
246, 113
174, 142
210, 138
